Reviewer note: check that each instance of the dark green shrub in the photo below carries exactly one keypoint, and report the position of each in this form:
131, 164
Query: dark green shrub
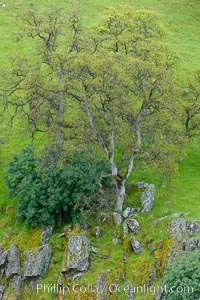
182, 277
47, 194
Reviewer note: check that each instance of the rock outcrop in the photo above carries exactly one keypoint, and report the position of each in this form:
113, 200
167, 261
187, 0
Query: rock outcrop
117, 218
17, 283
193, 228
128, 211
125, 230
101, 286
37, 262
179, 239
3, 258
78, 254
98, 232
130, 225
2, 288
10, 270
115, 238
12, 267
147, 197
191, 245
45, 235
130, 291
180, 232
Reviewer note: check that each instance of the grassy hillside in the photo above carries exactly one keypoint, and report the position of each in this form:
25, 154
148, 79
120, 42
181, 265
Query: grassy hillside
182, 20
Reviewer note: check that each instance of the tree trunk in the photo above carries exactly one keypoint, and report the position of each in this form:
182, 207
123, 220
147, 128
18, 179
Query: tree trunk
120, 195
59, 138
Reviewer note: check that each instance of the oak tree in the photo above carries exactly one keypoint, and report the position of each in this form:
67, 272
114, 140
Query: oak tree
124, 85
112, 86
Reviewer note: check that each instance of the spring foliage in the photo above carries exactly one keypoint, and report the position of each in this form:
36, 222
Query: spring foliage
111, 86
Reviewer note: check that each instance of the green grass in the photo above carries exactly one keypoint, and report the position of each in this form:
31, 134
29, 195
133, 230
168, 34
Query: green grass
187, 191
182, 20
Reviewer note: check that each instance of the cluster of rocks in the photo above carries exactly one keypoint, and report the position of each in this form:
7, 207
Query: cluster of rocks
129, 224
36, 263
35, 266
76, 261
102, 288
181, 237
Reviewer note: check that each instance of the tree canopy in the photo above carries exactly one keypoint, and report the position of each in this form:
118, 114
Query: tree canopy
111, 85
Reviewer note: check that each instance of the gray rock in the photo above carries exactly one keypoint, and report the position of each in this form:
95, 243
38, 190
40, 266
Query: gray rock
136, 246
117, 218
98, 232
94, 249
178, 230
191, 245
147, 198
141, 185
3, 259
13, 262
5, 237
102, 286
133, 225
179, 235
125, 229
129, 291
46, 234
152, 278
76, 276
127, 212
78, 254
115, 239
2, 288
36, 263
17, 283
172, 216
192, 228
108, 270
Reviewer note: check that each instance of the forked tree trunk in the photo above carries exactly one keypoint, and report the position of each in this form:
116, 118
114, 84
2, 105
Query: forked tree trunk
118, 179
